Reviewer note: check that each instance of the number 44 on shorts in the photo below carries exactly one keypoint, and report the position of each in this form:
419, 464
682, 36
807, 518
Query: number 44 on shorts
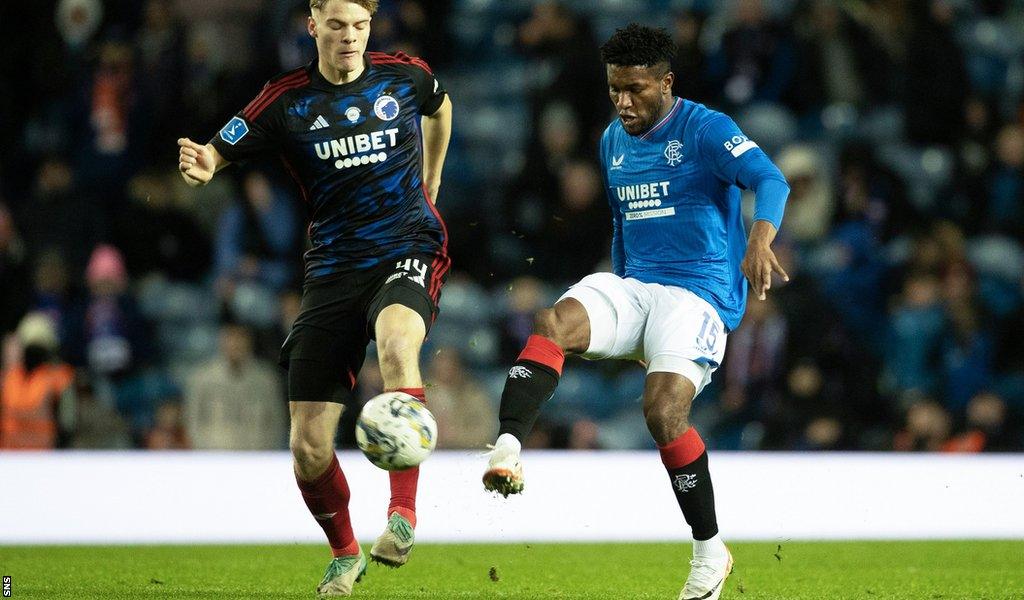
414, 268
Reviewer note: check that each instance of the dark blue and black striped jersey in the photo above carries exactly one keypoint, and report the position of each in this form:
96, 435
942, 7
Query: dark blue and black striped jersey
355, 151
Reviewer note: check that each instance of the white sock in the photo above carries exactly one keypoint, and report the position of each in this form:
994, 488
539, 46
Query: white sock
710, 548
507, 441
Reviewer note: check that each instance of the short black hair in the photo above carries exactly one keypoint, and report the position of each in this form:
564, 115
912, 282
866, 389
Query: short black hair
637, 45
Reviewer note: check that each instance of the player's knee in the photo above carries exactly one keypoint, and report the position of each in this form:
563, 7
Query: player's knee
396, 350
667, 417
311, 457
547, 323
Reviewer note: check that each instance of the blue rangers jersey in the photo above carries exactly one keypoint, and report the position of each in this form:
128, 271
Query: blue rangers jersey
674, 193
355, 150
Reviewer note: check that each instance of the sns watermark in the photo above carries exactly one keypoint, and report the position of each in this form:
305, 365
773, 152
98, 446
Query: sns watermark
7, 586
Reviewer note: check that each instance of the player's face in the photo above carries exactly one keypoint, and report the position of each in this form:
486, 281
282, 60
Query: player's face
639, 95
341, 30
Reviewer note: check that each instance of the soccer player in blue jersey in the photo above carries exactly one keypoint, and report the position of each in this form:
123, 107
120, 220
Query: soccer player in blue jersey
682, 261
364, 134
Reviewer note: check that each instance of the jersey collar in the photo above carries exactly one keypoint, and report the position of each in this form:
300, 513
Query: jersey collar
317, 79
660, 124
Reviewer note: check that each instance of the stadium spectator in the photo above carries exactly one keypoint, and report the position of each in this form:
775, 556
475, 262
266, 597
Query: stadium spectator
918, 327
562, 48
257, 238
168, 433
109, 334
14, 273
576, 233
755, 62
51, 292
525, 297
810, 204
159, 47
927, 428
1006, 184
465, 416
98, 426
691, 63
158, 237
234, 401
988, 428
60, 217
36, 393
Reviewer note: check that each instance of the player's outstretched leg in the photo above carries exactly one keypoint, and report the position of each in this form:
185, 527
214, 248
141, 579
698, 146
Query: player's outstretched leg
393, 546
400, 332
326, 492
667, 399
530, 382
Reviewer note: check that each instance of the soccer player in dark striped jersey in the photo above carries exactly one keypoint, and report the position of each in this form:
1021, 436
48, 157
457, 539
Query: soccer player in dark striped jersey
364, 134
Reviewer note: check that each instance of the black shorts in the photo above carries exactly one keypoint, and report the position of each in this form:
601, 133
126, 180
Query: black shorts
327, 344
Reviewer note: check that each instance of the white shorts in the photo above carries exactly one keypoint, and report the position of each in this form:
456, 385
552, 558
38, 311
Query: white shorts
671, 328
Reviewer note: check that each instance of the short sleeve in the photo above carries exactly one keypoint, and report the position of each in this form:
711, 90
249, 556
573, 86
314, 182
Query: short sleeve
429, 91
725, 148
253, 131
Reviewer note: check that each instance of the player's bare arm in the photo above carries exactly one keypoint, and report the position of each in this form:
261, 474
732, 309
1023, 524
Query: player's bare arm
437, 131
198, 163
760, 262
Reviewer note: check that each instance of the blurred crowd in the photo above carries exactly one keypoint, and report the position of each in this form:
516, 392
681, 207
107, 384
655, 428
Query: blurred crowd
137, 312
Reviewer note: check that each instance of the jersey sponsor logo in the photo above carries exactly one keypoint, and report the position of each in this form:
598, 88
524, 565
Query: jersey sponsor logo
234, 131
674, 152
352, 113
359, 149
684, 482
642, 191
643, 204
650, 214
385, 107
739, 144
319, 123
617, 161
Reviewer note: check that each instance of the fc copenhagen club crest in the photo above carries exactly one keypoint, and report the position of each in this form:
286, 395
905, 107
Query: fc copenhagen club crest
386, 108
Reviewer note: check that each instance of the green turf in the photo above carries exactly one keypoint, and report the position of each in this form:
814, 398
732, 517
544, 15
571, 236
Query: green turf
804, 570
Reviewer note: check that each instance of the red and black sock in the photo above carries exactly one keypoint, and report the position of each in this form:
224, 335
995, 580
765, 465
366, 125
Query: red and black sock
404, 483
530, 382
327, 499
686, 461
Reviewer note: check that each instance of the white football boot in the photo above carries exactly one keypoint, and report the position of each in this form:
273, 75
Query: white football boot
393, 546
504, 470
342, 575
707, 577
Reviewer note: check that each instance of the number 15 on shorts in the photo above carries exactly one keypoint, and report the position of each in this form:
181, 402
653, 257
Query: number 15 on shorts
708, 335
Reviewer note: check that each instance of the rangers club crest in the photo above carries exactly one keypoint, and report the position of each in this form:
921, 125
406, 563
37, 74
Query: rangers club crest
685, 482
674, 152
386, 108
519, 372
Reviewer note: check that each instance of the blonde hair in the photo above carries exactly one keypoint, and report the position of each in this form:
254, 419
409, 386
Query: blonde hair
370, 5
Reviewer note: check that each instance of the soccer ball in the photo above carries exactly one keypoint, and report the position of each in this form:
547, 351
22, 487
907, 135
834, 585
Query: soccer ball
396, 431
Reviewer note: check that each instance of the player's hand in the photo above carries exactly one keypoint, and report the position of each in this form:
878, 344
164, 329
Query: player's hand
760, 262
196, 162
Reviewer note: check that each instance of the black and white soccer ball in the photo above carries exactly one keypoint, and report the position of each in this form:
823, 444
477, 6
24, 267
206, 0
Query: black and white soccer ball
396, 431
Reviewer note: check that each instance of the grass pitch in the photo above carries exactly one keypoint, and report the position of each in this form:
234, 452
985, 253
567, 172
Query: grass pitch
790, 570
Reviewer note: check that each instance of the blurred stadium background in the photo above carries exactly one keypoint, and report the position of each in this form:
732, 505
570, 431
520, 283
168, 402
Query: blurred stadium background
140, 313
